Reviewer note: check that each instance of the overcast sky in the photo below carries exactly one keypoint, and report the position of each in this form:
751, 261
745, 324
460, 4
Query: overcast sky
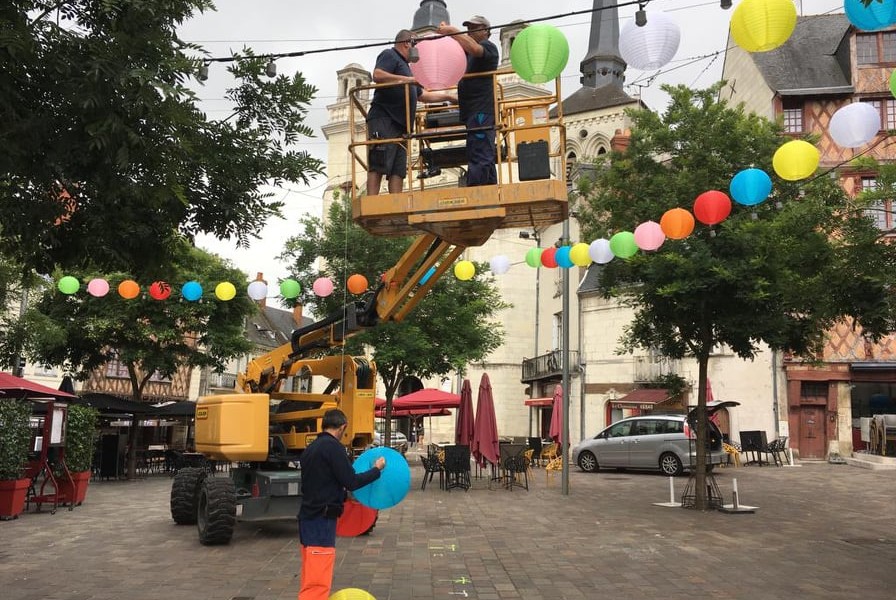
275, 26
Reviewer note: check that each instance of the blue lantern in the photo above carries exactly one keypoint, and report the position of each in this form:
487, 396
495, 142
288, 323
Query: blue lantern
874, 17
562, 257
750, 187
191, 291
426, 276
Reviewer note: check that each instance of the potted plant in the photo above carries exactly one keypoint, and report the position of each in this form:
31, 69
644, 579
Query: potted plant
15, 436
80, 435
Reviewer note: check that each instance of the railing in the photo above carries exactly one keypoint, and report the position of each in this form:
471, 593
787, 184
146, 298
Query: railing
548, 365
222, 380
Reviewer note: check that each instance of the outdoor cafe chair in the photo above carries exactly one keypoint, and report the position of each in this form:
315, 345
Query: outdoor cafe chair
431, 466
549, 452
457, 467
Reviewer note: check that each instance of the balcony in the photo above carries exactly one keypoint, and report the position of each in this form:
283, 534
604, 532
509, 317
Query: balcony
650, 368
548, 365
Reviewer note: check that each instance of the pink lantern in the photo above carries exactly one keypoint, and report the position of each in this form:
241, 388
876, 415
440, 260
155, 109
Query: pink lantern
322, 286
649, 235
442, 63
98, 287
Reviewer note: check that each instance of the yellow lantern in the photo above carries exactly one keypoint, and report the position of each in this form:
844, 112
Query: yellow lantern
763, 25
464, 270
579, 255
795, 160
225, 291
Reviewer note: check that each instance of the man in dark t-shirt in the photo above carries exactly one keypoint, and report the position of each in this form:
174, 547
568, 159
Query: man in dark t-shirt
391, 114
326, 474
476, 97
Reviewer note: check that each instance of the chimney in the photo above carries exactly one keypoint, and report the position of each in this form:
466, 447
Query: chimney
297, 314
620, 142
264, 301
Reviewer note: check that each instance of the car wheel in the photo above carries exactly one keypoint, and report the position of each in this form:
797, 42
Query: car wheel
588, 462
671, 465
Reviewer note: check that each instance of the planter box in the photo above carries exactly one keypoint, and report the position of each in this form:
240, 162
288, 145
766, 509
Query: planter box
75, 491
12, 498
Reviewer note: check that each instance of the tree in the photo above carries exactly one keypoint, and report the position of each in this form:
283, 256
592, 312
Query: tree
450, 328
149, 337
107, 157
780, 273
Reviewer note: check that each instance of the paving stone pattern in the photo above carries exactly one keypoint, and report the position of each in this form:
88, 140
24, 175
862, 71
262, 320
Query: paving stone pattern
822, 531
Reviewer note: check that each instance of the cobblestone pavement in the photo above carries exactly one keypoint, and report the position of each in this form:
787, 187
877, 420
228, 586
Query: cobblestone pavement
820, 531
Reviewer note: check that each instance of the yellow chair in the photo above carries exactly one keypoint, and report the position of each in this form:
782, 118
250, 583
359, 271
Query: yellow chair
733, 453
527, 455
549, 452
555, 465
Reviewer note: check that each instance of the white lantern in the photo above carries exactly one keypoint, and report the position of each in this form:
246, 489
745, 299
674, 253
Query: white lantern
651, 46
600, 252
499, 264
257, 290
855, 125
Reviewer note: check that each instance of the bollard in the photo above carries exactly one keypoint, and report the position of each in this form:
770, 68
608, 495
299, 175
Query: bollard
671, 490
734, 502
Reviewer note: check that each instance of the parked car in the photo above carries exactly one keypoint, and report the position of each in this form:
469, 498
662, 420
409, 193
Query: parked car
399, 440
657, 442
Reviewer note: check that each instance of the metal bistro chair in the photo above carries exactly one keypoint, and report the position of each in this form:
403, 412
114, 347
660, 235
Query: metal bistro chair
457, 467
432, 465
514, 466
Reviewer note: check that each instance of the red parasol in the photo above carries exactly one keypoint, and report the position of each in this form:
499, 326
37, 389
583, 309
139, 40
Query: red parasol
463, 427
485, 429
556, 430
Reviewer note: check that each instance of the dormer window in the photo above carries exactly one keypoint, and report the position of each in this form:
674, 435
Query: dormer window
876, 48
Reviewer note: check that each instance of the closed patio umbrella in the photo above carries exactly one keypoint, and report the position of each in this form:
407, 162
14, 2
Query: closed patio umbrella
556, 430
485, 429
463, 427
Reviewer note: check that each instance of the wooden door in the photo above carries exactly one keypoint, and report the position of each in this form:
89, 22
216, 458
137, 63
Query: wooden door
813, 432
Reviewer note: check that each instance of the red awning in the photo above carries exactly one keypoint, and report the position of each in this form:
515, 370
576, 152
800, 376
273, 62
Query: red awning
643, 399
539, 401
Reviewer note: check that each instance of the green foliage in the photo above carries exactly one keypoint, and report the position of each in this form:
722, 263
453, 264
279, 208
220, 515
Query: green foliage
675, 384
450, 328
779, 273
96, 103
80, 435
15, 435
147, 336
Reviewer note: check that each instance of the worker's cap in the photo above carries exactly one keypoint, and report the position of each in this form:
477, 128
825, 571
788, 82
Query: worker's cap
477, 20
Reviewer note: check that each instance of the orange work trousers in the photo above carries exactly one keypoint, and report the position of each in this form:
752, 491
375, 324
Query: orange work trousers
317, 572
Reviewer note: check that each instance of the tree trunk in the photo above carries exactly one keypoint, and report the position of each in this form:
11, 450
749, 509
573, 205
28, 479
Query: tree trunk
701, 497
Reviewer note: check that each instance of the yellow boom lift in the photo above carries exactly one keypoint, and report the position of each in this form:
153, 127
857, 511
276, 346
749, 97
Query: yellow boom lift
261, 430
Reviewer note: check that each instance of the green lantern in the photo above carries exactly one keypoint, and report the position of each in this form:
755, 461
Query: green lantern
893, 82
539, 53
68, 285
533, 257
623, 244
290, 288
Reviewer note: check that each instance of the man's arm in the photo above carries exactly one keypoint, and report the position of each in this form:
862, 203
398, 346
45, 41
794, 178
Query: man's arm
383, 76
470, 46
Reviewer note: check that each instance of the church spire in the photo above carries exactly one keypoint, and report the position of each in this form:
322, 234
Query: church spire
429, 15
602, 64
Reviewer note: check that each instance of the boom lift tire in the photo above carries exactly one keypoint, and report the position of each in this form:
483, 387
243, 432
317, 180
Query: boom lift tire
185, 495
216, 511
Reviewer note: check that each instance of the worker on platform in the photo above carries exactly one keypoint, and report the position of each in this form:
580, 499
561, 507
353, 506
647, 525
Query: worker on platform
476, 97
326, 475
388, 114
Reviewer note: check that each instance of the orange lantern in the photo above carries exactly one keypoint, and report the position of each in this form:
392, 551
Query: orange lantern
712, 207
128, 289
356, 284
677, 223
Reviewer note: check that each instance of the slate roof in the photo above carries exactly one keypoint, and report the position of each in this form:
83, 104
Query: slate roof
271, 327
587, 99
815, 60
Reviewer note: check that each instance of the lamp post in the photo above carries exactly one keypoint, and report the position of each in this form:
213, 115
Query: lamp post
564, 442
534, 235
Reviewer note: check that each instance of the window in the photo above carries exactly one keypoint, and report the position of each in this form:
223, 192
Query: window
620, 429
793, 115
886, 107
557, 330
116, 369
876, 48
879, 211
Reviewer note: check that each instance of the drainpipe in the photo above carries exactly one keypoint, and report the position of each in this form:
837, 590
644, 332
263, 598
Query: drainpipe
564, 430
775, 408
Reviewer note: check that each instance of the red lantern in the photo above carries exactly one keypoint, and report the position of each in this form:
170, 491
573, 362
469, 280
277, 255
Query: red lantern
712, 207
159, 290
549, 257
356, 284
677, 223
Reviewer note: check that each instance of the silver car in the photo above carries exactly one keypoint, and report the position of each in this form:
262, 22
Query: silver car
657, 442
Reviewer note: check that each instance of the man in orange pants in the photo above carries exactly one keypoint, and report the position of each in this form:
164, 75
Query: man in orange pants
326, 474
